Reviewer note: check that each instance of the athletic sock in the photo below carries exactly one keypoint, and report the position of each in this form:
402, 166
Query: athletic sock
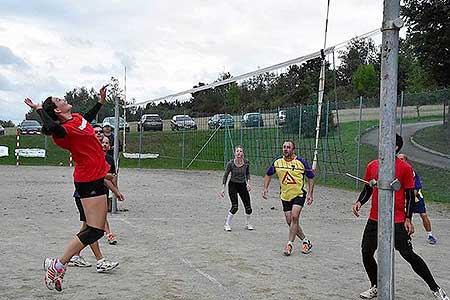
59, 266
429, 233
247, 219
229, 218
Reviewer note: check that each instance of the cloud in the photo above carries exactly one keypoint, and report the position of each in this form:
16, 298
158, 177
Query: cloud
126, 60
99, 69
52, 46
78, 42
7, 57
5, 84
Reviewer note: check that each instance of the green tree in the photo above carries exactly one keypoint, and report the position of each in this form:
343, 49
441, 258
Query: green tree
7, 123
232, 101
358, 52
365, 81
428, 34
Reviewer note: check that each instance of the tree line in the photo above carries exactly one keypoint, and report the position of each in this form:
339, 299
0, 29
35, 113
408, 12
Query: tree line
424, 64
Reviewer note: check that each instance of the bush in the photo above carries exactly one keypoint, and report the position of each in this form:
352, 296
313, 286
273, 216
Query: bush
308, 121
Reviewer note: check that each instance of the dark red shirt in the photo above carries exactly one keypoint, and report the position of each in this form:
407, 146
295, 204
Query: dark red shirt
87, 152
404, 173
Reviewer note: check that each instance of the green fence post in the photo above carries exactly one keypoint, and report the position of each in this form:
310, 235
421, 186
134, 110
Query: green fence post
300, 112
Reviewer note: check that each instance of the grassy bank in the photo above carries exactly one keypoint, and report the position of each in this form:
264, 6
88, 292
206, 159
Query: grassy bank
434, 137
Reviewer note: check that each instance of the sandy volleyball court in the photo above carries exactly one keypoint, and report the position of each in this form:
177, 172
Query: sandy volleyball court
172, 244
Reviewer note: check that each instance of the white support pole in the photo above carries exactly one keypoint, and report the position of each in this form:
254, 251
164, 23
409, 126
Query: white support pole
319, 114
17, 147
116, 147
321, 92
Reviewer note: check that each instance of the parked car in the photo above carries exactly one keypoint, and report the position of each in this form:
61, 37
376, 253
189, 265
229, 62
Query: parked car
150, 122
221, 120
252, 120
29, 127
122, 123
281, 118
182, 122
2, 130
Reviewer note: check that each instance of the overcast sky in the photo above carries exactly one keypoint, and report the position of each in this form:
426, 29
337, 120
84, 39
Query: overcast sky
48, 47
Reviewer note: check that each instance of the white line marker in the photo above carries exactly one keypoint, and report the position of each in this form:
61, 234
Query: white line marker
206, 275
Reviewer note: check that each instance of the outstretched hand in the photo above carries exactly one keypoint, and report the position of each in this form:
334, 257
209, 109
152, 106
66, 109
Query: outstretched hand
103, 93
30, 103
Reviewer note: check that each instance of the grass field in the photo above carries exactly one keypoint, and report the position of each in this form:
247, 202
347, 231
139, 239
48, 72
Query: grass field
177, 149
435, 137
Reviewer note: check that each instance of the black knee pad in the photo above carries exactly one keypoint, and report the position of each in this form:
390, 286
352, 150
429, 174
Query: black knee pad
90, 235
248, 210
233, 209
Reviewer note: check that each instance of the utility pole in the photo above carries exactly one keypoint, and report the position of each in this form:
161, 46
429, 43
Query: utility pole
386, 152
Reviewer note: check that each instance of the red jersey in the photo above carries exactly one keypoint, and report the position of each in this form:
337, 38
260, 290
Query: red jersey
404, 173
87, 152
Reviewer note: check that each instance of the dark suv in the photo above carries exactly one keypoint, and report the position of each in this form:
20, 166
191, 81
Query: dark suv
29, 127
150, 122
182, 122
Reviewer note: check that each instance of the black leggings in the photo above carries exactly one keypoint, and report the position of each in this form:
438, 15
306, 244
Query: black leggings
235, 188
402, 244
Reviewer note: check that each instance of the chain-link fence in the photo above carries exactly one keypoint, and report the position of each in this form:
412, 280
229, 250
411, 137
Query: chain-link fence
208, 141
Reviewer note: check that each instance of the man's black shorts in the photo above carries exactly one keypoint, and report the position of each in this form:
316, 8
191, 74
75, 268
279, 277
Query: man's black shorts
91, 189
287, 205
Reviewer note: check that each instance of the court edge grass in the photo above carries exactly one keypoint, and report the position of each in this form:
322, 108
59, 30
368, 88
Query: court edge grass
435, 183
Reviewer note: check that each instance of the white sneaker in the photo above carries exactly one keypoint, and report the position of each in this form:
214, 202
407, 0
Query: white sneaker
104, 265
250, 227
53, 277
370, 293
440, 294
288, 249
227, 227
79, 261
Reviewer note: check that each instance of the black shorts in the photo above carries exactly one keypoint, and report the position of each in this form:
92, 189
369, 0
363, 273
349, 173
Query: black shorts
402, 240
91, 189
287, 205
80, 209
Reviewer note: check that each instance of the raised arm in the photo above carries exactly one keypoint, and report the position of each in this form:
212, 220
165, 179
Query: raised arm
50, 126
90, 115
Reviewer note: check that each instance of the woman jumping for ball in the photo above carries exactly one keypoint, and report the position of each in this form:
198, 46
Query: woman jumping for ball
73, 132
239, 184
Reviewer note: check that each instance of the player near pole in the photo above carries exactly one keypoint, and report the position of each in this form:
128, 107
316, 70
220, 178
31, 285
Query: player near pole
102, 264
73, 132
403, 228
419, 203
239, 184
291, 170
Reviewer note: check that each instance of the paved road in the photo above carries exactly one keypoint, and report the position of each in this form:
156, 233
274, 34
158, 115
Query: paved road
414, 153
